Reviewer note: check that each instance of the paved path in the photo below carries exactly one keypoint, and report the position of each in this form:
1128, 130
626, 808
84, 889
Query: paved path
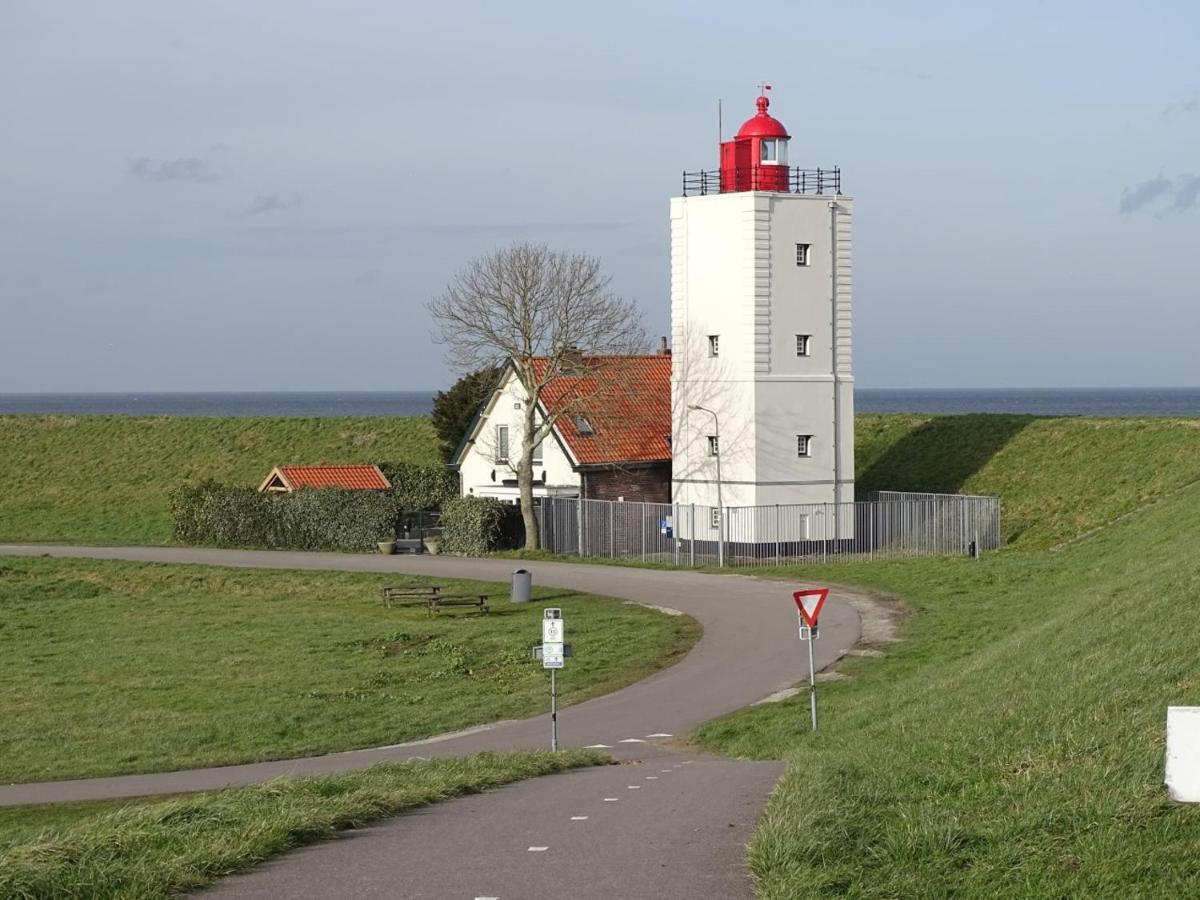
666, 824
670, 828
749, 650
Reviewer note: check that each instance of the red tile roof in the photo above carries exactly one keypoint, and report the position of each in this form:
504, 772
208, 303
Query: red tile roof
350, 478
625, 399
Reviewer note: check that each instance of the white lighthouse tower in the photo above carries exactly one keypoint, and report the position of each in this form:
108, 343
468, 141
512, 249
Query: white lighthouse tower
762, 389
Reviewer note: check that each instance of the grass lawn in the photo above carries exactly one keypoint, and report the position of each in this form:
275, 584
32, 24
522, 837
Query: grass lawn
111, 667
105, 479
161, 848
1012, 744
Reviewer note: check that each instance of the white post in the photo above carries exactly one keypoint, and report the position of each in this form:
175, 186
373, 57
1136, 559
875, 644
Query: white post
812, 680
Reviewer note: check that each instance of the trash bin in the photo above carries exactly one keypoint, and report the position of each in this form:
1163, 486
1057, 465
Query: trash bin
522, 585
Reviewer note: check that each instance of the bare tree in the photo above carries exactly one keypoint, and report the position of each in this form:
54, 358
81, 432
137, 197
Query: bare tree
551, 314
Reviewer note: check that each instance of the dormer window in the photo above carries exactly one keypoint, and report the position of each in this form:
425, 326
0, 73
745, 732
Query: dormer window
582, 424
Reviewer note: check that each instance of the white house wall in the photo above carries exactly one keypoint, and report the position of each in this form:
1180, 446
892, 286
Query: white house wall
483, 476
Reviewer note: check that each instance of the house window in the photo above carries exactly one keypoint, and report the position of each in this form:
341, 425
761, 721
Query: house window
713, 449
537, 453
802, 342
501, 443
716, 518
714, 345
802, 254
804, 445
582, 424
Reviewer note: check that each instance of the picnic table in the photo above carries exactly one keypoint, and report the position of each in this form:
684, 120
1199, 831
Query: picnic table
431, 597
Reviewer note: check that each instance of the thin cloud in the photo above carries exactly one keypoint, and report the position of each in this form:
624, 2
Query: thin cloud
1188, 106
186, 168
1141, 195
1187, 192
271, 203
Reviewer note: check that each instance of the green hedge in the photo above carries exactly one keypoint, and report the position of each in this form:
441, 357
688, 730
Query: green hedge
329, 519
421, 487
472, 525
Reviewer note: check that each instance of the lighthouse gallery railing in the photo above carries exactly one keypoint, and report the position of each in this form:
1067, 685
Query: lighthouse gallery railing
800, 181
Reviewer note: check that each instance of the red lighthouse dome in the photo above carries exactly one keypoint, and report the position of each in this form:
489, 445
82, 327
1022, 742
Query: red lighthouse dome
762, 124
756, 158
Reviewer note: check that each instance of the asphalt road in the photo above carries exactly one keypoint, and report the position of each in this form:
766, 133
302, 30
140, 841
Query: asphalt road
666, 823
669, 828
749, 651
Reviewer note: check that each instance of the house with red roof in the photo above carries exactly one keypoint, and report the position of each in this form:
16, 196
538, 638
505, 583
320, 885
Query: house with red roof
610, 440
286, 479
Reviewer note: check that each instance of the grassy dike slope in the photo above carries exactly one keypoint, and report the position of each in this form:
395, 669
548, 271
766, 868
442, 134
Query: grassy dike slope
1012, 744
1058, 477
105, 479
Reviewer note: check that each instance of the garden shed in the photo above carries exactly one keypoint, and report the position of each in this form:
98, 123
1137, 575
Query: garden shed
286, 479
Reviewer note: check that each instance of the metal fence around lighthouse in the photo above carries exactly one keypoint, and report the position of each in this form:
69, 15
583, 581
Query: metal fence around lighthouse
892, 525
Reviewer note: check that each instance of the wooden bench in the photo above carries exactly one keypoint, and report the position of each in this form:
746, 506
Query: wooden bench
410, 595
439, 602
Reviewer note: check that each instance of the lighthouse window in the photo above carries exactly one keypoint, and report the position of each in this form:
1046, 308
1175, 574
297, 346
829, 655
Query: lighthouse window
770, 151
802, 254
713, 448
804, 445
714, 345
802, 342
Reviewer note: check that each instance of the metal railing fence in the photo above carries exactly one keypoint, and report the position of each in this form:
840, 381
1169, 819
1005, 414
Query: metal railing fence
793, 180
894, 525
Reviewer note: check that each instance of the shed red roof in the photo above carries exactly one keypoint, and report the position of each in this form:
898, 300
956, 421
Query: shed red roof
626, 401
350, 478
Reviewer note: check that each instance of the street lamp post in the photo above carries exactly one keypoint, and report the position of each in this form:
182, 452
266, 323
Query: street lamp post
720, 505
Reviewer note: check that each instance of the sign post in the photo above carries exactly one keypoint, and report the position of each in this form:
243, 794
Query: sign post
808, 606
553, 654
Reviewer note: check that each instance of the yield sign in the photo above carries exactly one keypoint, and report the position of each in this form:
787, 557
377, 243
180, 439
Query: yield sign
809, 603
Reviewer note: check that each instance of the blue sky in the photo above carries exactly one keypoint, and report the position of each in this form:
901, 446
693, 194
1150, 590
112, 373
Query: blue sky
262, 196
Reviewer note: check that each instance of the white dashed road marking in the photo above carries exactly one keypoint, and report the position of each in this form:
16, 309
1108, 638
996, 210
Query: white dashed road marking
598, 747
652, 778
631, 741
538, 849
610, 799
660, 734
578, 818
634, 787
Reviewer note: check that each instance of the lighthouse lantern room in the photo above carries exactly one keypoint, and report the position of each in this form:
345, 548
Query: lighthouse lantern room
761, 296
756, 158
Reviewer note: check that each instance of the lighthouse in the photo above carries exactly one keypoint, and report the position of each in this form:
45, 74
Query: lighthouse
762, 384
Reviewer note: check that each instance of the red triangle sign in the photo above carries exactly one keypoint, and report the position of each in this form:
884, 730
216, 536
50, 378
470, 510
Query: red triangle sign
809, 603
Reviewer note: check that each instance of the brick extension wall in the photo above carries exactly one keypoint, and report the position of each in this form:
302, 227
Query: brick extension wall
649, 484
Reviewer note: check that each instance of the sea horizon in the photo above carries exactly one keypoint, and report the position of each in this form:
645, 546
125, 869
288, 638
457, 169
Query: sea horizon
1162, 401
